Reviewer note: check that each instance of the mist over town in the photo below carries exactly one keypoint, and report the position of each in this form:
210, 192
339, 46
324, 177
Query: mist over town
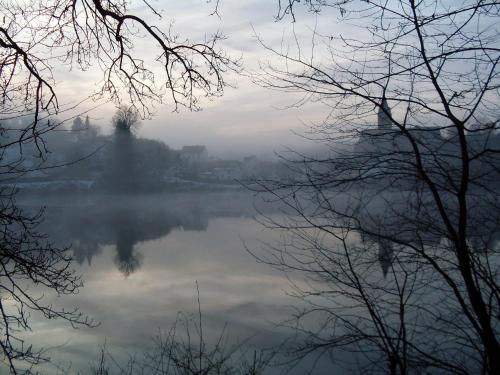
249, 188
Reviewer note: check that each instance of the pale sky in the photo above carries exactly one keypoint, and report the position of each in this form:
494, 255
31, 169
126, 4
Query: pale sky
248, 119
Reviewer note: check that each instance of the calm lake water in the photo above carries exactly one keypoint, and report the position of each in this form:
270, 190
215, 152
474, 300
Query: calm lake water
144, 257
140, 258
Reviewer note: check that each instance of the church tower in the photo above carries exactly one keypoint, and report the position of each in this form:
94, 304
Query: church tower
384, 116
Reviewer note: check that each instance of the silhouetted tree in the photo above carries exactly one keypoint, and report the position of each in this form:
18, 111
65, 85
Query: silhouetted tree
125, 120
395, 227
83, 34
184, 349
135, 164
121, 173
29, 259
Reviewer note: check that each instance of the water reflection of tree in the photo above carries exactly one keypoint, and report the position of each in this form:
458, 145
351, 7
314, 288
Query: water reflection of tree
125, 221
126, 259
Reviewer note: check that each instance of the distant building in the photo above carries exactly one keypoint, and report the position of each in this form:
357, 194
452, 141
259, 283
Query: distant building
229, 174
389, 144
194, 154
385, 156
381, 138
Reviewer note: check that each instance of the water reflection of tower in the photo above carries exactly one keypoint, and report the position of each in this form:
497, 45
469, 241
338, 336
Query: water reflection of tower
385, 255
84, 251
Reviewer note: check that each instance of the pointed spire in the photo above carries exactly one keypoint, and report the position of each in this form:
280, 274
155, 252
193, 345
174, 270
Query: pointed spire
384, 114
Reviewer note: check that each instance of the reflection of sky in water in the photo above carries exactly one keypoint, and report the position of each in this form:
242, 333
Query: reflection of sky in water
141, 258
200, 240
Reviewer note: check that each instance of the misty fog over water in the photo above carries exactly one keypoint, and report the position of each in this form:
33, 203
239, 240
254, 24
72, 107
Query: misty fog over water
249, 188
140, 257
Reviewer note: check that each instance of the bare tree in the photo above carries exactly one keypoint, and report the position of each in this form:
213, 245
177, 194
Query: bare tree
185, 350
28, 259
125, 119
36, 37
396, 226
101, 33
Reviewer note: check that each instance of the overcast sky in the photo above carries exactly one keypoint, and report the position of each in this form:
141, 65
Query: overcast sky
248, 119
